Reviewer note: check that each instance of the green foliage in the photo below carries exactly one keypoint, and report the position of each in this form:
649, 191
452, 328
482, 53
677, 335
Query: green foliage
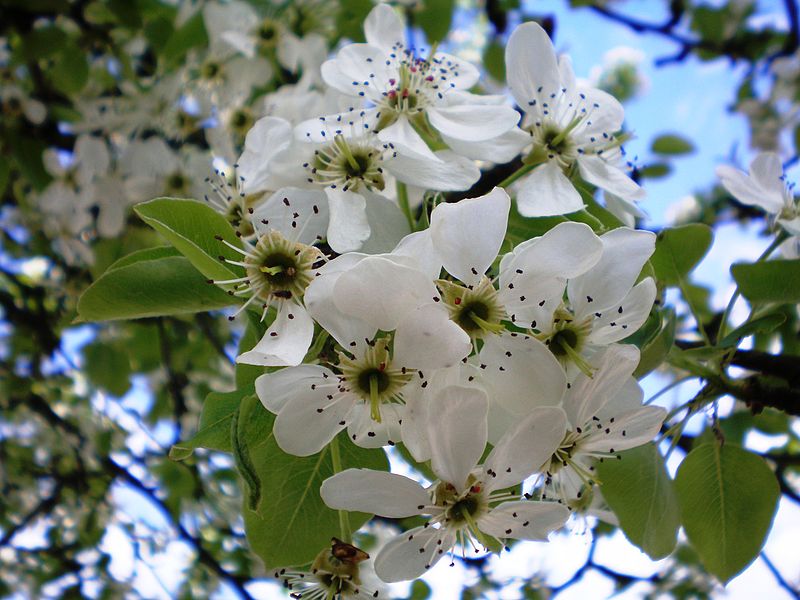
150, 288
214, 430
765, 324
671, 145
291, 523
108, 367
728, 498
640, 492
678, 251
769, 281
191, 227
656, 349
435, 18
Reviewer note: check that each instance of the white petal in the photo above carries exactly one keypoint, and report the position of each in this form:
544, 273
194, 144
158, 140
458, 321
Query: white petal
411, 554
531, 64
530, 377
367, 433
375, 492
473, 123
419, 246
457, 432
566, 251
348, 227
588, 395
350, 331
387, 223
414, 430
426, 338
268, 137
381, 291
275, 389
449, 172
498, 150
546, 191
791, 226
608, 177
625, 251
463, 75
629, 430
310, 419
286, 341
767, 171
402, 135
383, 28
525, 448
468, 234
351, 123
524, 520
617, 323
350, 71
300, 215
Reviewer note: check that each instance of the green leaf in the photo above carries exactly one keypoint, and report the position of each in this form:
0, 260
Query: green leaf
435, 19
655, 351
293, 524
107, 366
678, 250
250, 424
640, 492
150, 288
246, 374
214, 430
143, 255
769, 281
494, 60
191, 227
765, 324
70, 71
655, 170
191, 34
672, 145
728, 498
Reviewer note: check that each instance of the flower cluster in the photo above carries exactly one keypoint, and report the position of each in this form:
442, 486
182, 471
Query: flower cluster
415, 323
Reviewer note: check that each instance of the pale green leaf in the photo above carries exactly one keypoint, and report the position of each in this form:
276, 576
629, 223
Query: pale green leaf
640, 492
678, 250
192, 228
728, 498
769, 281
152, 288
293, 524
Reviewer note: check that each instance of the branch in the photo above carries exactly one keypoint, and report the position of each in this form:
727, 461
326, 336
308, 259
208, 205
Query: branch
794, 593
44, 507
203, 555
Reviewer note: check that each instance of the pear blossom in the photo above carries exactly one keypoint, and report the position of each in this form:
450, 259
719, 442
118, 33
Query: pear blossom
279, 264
237, 27
343, 158
765, 187
603, 305
604, 416
341, 571
412, 97
365, 390
470, 503
572, 128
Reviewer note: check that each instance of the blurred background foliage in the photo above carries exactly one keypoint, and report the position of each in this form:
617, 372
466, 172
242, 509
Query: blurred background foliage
106, 103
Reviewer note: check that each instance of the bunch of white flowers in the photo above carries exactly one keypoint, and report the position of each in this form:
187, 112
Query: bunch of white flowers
505, 371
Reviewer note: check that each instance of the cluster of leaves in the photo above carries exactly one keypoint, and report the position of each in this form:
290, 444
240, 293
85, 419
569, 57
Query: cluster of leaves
74, 440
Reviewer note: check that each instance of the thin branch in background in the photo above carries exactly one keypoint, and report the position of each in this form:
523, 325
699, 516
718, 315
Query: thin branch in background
203, 555
781, 581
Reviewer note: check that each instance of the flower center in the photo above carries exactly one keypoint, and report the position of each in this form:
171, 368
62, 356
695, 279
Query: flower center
241, 121
478, 311
568, 338
176, 184
210, 70
373, 377
551, 142
268, 34
351, 164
